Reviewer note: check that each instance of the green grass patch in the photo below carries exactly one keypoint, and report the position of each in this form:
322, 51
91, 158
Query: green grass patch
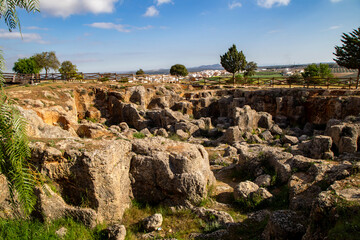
34, 229
139, 135
176, 224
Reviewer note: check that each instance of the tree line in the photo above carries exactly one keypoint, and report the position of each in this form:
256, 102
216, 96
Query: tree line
347, 55
45, 61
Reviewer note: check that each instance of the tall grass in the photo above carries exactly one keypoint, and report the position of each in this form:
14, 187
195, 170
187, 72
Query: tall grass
34, 229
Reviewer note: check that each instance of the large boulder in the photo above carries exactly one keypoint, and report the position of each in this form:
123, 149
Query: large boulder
338, 206
165, 117
39, 129
246, 118
152, 222
285, 224
89, 173
345, 135
51, 206
170, 172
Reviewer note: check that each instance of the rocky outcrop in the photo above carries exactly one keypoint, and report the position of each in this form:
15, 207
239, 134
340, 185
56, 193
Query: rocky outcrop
94, 174
164, 171
38, 129
51, 206
337, 205
345, 134
285, 224
152, 222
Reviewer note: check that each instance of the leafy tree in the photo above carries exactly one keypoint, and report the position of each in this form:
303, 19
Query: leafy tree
311, 71
140, 72
250, 69
8, 11
314, 72
179, 70
324, 71
348, 55
26, 66
233, 61
47, 60
14, 147
68, 70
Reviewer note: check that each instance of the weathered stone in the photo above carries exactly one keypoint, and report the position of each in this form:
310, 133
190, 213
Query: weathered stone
245, 118
266, 135
211, 215
171, 172
285, 224
146, 132
244, 190
232, 135
230, 152
37, 127
265, 120
276, 130
103, 187
319, 146
116, 232
152, 223
162, 132
183, 135
51, 207
289, 139
263, 180
91, 130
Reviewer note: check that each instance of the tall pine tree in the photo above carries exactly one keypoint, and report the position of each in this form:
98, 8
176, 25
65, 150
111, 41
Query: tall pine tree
348, 55
233, 61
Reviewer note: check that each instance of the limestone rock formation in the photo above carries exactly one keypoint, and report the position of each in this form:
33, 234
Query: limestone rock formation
94, 174
169, 172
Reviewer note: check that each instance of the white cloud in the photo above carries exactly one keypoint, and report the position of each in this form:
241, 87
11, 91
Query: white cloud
334, 27
151, 12
234, 4
36, 28
271, 3
26, 37
117, 27
160, 2
65, 8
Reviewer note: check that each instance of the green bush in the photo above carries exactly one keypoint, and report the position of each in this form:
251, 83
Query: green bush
139, 135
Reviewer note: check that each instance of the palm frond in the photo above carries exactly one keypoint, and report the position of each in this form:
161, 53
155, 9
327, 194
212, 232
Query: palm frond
14, 153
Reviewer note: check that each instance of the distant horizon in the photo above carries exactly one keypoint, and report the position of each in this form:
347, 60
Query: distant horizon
203, 67
124, 35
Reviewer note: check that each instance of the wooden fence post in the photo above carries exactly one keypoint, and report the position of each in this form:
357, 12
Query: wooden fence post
350, 83
327, 83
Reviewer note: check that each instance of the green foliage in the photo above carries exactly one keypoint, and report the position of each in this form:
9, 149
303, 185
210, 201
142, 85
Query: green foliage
47, 60
139, 135
233, 61
250, 69
8, 11
212, 226
26, 66
179, 70
68, 70
314, 72
181, 222
348, 55
140, 72
14, 152
295, 79
27, 229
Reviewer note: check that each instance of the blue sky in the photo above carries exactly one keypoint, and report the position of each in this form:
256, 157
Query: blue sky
124, 35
